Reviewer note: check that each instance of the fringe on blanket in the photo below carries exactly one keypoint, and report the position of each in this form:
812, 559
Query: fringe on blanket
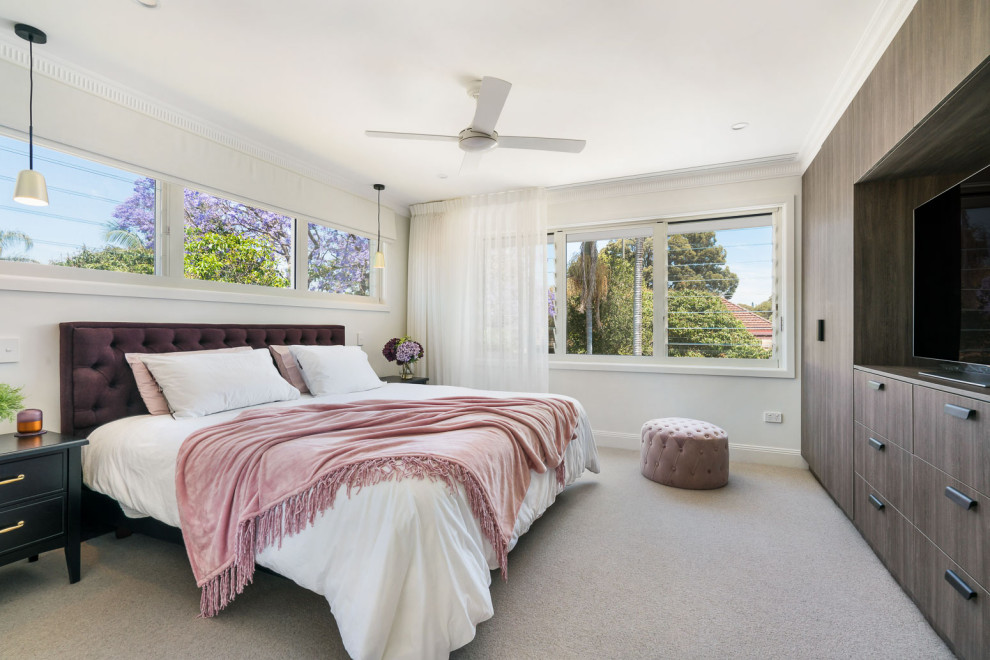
296, 512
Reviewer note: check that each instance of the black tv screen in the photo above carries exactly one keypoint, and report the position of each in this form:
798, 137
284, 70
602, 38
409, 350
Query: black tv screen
952, 273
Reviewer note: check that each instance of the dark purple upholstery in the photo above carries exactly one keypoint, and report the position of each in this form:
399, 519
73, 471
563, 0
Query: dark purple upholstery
97, 384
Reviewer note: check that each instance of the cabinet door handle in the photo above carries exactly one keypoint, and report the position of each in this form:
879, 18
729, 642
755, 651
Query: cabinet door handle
10, 529
958, 411
875, 384
960, 499
957, 583
876, 444
19, 477
877, 504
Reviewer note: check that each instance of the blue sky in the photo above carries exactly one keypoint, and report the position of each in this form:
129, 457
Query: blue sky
82, 196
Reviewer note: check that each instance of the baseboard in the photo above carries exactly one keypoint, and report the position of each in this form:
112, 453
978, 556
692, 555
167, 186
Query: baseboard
738, 453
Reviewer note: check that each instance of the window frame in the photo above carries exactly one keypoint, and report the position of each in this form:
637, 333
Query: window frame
783, 362
169, 281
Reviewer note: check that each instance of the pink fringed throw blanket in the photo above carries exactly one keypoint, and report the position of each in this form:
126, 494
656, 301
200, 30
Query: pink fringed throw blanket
244, 484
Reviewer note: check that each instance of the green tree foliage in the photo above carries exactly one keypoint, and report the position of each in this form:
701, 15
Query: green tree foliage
127, 260
699, 325
231, 257
696, 261
10, 239
764, 309
611, 302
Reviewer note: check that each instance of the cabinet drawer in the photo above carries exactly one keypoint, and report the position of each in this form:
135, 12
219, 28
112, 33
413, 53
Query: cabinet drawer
22, 525
886, 530
885, 466
964, 623
957, 521
953, 434
30, 477
883, 405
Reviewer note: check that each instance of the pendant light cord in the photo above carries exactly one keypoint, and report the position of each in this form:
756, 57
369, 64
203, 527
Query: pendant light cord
378, 245
31, 104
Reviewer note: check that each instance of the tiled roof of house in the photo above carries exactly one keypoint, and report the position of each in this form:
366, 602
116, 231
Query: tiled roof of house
755, 324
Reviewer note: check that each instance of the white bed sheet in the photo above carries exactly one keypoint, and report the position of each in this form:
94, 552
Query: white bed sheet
404, 564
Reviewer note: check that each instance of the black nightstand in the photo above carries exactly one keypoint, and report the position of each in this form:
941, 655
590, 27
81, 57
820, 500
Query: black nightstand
40, 483
415, 380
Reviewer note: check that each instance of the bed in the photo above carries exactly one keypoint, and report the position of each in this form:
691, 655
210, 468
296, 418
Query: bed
404, 564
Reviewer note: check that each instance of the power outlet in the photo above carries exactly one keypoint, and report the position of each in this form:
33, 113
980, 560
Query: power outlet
773, 417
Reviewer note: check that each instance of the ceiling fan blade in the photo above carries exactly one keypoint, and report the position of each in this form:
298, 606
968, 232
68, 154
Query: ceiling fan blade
411, 136
543, 144
472, 159
491, 99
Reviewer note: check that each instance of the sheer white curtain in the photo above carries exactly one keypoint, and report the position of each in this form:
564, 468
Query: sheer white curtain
478, 291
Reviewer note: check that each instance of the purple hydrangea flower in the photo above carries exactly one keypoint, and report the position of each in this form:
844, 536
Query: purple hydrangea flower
408, 351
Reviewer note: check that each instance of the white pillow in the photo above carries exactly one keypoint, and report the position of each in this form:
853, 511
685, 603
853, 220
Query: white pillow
201, 384
335, 369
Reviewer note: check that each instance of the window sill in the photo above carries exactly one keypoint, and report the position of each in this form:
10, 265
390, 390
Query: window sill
685, 369
27, 277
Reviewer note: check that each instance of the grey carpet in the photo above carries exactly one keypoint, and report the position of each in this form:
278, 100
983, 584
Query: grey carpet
619, 567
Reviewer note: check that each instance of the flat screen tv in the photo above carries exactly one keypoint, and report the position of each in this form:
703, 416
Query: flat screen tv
952, 279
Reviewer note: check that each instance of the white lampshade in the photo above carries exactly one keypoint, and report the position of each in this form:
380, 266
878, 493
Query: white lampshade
379, 260
31, 188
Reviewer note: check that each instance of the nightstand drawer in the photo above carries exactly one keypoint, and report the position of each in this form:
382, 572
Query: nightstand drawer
30, 477
23, 525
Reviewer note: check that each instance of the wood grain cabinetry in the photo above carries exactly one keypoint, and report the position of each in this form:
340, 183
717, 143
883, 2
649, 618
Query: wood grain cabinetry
921, 511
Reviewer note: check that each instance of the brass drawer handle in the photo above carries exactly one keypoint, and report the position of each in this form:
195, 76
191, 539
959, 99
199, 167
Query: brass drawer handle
10, 529
19, 477
875, 384
877, 504
876, 444
960, 499
958, 411
957, 583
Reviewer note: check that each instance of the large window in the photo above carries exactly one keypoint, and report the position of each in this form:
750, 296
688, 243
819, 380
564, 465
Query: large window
98, 217
711, 292
104, 218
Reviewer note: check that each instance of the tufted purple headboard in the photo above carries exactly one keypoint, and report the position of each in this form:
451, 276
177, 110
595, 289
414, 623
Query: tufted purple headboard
97, 385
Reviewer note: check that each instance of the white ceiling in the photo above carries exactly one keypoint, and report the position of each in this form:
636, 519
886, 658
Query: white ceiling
652, 85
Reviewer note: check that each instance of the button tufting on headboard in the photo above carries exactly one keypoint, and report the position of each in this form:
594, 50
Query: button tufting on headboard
97, 385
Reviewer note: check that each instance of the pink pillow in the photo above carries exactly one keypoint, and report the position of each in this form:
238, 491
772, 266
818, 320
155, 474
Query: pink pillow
148, 387
288, 367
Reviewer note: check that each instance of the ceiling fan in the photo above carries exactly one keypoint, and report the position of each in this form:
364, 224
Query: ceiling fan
480, 136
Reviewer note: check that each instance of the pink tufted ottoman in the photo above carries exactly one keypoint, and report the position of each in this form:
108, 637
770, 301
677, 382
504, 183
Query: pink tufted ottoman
685, 453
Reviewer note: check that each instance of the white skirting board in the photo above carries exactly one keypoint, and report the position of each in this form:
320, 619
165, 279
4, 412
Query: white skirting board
737, 452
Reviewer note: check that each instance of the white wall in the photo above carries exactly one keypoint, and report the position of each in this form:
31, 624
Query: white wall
91, 117
619, 402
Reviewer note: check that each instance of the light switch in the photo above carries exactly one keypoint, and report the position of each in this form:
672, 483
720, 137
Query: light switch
10, 349
357, 339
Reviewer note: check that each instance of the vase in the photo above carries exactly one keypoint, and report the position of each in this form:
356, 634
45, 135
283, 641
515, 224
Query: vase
406, 373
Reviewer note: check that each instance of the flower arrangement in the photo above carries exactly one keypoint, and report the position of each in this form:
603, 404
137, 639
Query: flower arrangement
403, 351
11, 400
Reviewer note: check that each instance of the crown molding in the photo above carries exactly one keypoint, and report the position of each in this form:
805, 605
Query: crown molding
880, 31
771, 167
91, 83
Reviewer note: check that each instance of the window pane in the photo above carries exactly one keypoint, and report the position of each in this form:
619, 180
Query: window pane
552, 293
720, 293
339, 262
227, 241
610, 295
98, 217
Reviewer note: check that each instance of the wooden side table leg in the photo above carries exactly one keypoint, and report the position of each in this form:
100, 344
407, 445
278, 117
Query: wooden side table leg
74, 513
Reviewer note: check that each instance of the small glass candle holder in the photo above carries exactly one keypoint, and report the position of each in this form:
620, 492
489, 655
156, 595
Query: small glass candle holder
29, 422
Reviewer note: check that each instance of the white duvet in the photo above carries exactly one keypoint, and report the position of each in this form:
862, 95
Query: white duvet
404, 564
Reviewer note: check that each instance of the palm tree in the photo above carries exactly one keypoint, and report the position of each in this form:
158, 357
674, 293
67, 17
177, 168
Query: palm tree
588, 277
11, 237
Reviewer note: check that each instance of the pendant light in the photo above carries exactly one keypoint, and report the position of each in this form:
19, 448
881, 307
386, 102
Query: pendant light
31, 188
379, 255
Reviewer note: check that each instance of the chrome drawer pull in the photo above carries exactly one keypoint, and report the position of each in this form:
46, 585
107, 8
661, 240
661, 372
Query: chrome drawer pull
10, 529
877, 504
960, 586
876, 444
960, 499
875, 384
958, 411
19, 477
